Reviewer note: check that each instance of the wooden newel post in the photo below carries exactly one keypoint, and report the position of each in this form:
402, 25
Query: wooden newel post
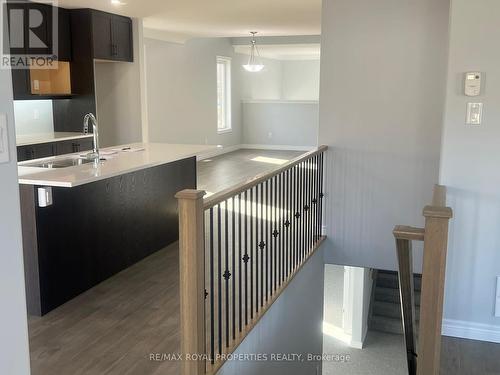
433, 276
192, 280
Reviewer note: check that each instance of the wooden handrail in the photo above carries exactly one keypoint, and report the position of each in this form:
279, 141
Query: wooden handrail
192, 280
287, 217
433, 275
223, 195
435, 237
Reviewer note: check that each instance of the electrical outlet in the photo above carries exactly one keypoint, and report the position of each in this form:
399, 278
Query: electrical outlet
4, 139
270, 135
36, 114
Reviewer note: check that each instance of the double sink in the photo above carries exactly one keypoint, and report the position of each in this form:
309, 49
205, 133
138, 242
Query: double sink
59, 163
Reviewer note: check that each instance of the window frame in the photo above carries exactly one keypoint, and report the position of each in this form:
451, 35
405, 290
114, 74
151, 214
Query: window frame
227, 109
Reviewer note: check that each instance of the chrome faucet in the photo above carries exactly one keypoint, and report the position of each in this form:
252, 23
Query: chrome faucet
95, 132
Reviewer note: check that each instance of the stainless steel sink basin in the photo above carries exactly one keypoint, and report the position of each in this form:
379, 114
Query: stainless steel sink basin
59, 163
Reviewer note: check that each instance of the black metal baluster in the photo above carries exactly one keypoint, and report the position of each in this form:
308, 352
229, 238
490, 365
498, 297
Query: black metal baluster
301, 211
280, 225
233, 259
310, 184
297, 216
212, 307
307, 206
262, 245
321, 194
289, 213
251, 254
318, 191
268, 241
240, 288
226, 275
219, 278
246, 257
274, 203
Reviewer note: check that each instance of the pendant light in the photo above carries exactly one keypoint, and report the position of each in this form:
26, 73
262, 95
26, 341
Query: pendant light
254, 65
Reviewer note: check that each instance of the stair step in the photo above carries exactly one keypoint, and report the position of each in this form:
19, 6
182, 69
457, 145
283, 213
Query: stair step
392, 295
388, 279
384, 324
391, 310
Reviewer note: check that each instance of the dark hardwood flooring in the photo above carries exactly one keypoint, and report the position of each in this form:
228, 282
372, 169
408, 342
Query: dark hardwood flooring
114, 327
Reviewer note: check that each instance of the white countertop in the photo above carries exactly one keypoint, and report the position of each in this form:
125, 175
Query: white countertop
154, 154
33, 139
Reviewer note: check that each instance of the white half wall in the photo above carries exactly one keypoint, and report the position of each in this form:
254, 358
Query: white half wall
182, 91
383, 74
14, 352
292, 325
470, 169
280, 123
118, 96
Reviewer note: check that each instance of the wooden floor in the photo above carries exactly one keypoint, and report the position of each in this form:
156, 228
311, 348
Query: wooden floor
115, 327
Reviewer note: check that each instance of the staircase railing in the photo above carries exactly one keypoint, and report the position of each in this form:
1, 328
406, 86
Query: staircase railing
425, 360
238, 250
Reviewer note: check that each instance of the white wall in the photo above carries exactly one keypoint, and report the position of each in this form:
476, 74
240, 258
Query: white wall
300, 79
118, 96
182, 91
280, 123
292, 325
264, 85
14, 353
383, 69
33, 116
470, 168
280, 103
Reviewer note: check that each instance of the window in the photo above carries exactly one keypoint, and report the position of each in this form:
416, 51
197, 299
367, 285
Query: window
223, 94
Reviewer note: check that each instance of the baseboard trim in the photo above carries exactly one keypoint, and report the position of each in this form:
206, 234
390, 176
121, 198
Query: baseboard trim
471, 330
276, 147
218, 151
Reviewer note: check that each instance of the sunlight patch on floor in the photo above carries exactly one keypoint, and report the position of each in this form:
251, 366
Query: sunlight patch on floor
268, 160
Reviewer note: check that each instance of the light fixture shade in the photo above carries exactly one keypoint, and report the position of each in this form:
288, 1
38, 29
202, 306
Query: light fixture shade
253, 65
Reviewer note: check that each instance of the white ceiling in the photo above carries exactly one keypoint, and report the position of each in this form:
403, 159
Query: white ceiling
217, 18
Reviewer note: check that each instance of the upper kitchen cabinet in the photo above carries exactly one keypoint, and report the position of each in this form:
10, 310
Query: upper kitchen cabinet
112, 36
48, 40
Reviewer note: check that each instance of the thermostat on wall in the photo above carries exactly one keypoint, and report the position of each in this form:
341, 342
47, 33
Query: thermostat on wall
473, 83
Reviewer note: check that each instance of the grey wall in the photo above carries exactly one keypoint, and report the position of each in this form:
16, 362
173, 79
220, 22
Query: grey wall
300, 79
14, 353
182, 91
280, 123
33, 116
118, 96
383, 69
293, 324
470, 168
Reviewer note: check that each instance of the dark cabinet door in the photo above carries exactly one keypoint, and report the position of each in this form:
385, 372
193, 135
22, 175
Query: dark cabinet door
102, 35
73, 146
42, 150
38, 31
122, 39
64, 35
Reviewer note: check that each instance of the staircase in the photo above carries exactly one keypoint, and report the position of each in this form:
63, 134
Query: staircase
386, 307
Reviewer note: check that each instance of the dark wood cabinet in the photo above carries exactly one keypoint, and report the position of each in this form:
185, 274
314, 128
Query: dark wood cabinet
64, 52
96, 230
45, 150
37, 41
112, 36
42, 150
74, 145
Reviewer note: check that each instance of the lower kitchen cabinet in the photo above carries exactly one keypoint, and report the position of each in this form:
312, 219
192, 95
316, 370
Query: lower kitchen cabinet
45, 150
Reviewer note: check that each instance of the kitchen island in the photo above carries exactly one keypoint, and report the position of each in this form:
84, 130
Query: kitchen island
84, 223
